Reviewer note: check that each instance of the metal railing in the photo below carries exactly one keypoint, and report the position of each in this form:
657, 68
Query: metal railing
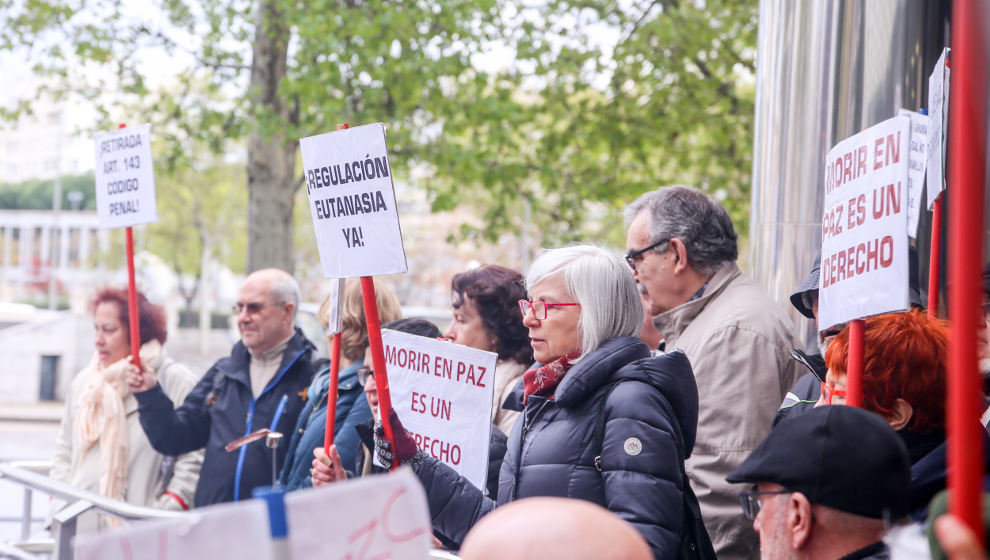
32, 475
29, 475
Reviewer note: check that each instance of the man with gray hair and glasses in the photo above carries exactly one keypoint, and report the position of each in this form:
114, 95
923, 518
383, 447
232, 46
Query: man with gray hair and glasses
261, 384
682, 250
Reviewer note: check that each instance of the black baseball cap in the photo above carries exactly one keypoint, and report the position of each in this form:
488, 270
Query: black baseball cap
838, 456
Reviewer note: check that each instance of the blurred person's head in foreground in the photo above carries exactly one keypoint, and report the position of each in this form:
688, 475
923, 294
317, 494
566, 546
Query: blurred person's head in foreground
553, 529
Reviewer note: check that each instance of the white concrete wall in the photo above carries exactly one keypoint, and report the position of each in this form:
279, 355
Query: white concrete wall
21, 347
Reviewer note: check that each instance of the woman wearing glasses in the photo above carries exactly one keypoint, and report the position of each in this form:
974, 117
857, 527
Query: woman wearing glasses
485, 316
905, 364
601, 420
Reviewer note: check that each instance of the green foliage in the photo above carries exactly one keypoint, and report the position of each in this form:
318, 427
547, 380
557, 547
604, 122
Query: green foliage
601, 100
200, 210
36, 194
590, 128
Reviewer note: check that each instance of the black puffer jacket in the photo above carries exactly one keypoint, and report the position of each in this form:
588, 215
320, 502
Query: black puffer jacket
222, 408
614, 434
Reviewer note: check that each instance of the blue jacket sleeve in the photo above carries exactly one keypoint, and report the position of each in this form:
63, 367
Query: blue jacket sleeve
174, 431
295, 470
345, 436
455, 504
639, 463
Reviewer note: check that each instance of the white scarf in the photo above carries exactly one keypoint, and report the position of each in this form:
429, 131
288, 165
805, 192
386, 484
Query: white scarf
101, 417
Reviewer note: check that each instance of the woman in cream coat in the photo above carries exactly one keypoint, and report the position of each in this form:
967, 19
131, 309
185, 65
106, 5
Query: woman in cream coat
101, 447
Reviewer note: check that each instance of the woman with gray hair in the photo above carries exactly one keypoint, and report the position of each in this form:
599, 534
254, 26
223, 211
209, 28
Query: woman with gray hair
602, 420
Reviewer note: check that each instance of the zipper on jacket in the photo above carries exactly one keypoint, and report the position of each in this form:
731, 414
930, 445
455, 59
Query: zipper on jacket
530, 421
250, 421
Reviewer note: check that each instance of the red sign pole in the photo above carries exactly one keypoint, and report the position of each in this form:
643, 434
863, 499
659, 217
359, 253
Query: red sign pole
935, 258
378, 360
967, 177
332, 392
132, 304
854, 371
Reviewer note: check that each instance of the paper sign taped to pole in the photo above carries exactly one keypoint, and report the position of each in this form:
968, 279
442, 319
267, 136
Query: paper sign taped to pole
221, 532
334, 307
864, 268
443, 395
384, 516
916, 167
352, 202
938, 112
125, 178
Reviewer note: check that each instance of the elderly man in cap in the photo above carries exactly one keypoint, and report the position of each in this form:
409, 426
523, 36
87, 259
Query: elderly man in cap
827, 485
682, 249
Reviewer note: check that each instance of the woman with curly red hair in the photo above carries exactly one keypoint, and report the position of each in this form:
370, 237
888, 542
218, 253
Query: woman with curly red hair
904, 381
101, 446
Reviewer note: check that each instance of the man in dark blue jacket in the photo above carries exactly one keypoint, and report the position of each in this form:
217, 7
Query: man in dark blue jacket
239, 394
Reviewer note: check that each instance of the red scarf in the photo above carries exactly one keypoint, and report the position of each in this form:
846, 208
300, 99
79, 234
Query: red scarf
544, 379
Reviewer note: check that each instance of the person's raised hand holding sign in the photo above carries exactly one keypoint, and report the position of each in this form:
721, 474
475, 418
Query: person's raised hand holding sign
406, 451
140, 379
326, 468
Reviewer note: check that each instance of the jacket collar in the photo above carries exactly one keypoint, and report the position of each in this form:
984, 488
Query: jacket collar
596, 369
237, 367
591, 372
673, 322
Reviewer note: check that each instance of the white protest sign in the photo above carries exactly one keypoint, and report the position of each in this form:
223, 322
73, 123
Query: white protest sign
222, 532
334, 306
382, 516
864, 267
916, 167
938, 101
352, 201
125, 178
443, 395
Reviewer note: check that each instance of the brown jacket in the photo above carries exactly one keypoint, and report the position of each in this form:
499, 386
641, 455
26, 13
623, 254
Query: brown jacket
738, 341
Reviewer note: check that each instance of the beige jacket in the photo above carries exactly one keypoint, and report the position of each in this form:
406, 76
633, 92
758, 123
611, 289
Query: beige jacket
144, 474
507, 376
738, 341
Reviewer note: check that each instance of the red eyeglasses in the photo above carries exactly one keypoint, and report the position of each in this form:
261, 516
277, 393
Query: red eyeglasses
540, 308
829, 393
